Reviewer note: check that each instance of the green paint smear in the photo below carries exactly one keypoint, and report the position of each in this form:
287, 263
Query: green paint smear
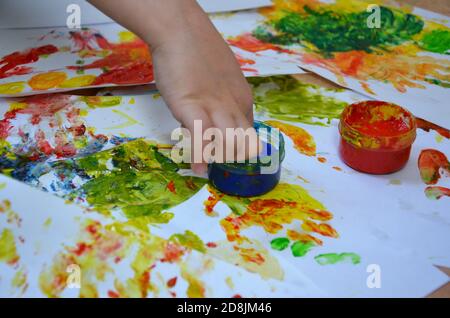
334, 258
285, 98
331, 31
437, 41
300, 249
137, 182
189, 240
280, 243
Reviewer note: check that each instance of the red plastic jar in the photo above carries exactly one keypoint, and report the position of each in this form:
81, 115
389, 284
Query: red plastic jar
376, 137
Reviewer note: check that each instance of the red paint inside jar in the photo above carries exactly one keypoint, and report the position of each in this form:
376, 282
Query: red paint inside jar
376, 137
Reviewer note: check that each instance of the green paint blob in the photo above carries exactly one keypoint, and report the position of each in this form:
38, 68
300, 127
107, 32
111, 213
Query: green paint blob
300, 249
280, 243
189, 240
334, 258
437, 41
330, 31
285, 98
135, 178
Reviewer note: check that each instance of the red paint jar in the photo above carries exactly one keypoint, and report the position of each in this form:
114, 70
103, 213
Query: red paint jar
376, 137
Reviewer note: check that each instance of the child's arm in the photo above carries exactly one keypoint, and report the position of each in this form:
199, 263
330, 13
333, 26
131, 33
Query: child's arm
195, 70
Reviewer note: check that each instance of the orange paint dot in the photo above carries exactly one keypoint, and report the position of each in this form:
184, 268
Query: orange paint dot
48, 80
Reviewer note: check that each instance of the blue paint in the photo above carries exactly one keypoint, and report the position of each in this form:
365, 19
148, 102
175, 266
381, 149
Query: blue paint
251, 179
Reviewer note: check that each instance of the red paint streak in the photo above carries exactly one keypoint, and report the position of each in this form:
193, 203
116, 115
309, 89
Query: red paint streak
427, 126
249, 43
211, 245
171, 187
172, 282
113, 294
243, 62
12, 64
430, 162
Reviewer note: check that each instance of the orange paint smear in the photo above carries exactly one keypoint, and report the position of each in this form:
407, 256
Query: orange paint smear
272, 215
249, 43
302, 140
430, 163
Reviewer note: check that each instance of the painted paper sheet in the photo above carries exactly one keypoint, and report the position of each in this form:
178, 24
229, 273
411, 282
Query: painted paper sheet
405, 61
54, 249
34, 14
324, 220
36, 61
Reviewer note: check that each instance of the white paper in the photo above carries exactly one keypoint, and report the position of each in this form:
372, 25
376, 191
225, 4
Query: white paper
386, 220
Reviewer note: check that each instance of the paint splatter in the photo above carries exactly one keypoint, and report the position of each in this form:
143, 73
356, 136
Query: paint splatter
437, 41
100, 248
285, 98
300, 249
335, 258
280, 244
427, 126
430, 162
302, 140
8, 251
137, 183
189, 240
435, 192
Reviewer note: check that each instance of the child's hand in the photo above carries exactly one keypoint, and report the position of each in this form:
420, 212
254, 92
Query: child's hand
195, 70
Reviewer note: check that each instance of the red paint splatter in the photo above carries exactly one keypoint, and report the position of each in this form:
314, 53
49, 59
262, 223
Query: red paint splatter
172, 253
12, 64
171, 187
430, 162
211, 245
172, 282
113, 294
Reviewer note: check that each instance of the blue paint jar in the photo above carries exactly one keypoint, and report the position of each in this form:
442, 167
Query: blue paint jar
253, 177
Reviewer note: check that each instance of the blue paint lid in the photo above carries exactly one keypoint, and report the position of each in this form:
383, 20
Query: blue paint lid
255, 176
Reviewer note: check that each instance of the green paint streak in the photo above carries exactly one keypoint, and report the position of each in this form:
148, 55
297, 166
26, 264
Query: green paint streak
435, 81
437, 41
280, 243
286, 98
300, 248
8, 251
334, 258
189, 240
134, 177
330, 31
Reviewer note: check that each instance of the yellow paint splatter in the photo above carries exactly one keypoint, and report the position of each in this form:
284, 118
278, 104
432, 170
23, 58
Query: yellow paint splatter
12, 88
